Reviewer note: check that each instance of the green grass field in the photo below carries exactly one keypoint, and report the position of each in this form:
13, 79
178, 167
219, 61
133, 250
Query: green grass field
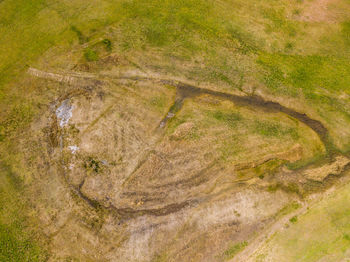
17, 241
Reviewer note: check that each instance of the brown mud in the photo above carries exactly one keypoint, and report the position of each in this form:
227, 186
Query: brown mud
186, 91
127, 213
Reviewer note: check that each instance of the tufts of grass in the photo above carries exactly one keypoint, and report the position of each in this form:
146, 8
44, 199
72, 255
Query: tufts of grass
293, 219
346, 236
289, 46
292, 187
231, 147
92, 164
82, 38
19, 117
267, 168
174, 122
289, 208
345, 30
247, 44
231, 119
269, 129
318, 156
160, 258
273, 188
90, 55
108, 44
278, 22
296, 11
158, 102
234, 250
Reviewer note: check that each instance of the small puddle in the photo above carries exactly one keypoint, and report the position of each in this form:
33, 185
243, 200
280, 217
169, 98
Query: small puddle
73, 149
172, 111
64, 112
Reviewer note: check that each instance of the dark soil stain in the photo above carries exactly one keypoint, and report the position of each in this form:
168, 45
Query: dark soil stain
185, 91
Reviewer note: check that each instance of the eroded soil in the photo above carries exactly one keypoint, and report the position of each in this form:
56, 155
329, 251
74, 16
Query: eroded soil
151, 194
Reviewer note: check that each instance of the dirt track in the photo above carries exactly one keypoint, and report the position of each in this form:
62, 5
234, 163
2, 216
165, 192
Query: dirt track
183, 91
186, 91
189, 91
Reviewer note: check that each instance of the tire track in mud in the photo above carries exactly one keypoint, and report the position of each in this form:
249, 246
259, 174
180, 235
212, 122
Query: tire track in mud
185, 91
126, 213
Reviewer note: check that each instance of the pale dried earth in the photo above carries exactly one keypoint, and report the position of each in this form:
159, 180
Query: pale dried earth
142, 177
320, 11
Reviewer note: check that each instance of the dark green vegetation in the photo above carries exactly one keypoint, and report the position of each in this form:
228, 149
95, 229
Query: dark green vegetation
90, 55
293, 219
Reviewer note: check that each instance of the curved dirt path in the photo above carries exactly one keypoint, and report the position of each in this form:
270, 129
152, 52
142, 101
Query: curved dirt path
183, 91
186, 91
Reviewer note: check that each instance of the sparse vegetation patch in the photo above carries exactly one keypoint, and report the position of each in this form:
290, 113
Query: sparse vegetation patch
234, 249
